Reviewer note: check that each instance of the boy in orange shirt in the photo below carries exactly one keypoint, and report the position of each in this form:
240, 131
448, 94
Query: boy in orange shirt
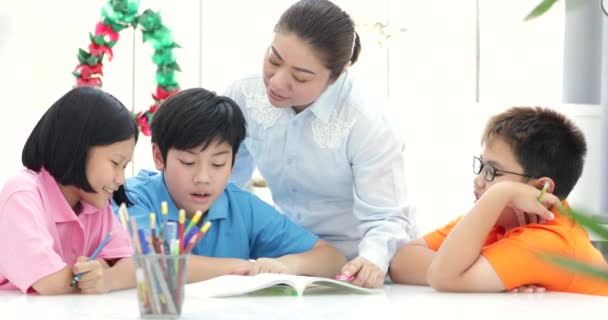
495, 247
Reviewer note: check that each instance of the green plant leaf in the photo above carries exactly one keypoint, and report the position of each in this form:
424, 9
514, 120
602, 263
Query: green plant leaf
586, 221
576, 266
540, 9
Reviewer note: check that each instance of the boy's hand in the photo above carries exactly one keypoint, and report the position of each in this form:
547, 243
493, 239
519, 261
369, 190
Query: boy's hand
269, 265
523, 199
532, 288
524, 218
93, 278
263, 265
367, 274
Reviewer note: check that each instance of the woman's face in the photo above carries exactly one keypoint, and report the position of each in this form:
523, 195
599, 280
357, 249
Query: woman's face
294, 74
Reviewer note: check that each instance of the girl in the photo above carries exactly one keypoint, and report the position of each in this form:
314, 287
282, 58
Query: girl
55, 212
326, 152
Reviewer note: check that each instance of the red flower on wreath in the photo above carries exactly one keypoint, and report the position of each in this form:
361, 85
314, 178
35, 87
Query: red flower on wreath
86, 71
93, 82
162, 94
106, 31
97, 50
142, 120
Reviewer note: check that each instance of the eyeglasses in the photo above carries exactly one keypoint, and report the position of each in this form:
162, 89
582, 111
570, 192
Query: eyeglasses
489, 172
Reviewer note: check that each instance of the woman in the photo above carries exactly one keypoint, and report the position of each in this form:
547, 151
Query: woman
328, 155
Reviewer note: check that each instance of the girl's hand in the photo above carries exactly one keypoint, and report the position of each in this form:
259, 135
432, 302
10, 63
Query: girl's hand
93, 278
366, 273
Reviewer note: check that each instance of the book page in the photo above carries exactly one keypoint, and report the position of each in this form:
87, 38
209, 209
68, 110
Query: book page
231, 285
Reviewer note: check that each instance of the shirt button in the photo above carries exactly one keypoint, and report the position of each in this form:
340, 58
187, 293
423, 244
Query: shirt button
289, 161
294, 190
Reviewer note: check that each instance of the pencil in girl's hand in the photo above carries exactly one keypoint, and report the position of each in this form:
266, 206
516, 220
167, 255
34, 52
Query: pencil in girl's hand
198, 237
102, 244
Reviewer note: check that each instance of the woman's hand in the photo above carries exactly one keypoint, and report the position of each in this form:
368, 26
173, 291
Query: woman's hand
366, 273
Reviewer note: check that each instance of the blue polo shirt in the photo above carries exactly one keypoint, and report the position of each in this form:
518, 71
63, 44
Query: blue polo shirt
243, 225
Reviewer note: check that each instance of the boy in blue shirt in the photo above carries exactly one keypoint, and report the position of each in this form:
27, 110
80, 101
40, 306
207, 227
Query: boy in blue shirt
195, 137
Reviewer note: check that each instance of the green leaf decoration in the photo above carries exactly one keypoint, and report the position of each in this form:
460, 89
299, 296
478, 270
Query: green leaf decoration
116, 26
167, 79
120, 5
587, 221
163, 56
170, 88
82, 56
149, 20
540, 9
93, 60
171, 67
574, 265
98, 40
108, 13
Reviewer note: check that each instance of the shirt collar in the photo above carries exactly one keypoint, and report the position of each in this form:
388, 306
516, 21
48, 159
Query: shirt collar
326, 103
58, 206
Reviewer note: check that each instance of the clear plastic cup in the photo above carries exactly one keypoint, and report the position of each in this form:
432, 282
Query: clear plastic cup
160, 285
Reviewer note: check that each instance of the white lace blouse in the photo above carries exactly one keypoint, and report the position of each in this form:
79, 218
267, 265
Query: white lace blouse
335, 168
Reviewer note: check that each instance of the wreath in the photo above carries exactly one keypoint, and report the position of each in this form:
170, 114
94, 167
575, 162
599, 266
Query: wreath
118, 15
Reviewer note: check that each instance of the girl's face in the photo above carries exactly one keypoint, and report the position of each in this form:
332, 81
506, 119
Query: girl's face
294, 75
105, 171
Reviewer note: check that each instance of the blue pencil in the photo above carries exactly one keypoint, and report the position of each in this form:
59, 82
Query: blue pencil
92, 257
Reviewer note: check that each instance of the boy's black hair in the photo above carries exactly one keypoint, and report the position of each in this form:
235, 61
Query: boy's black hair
82, 118
195, 117
545, 143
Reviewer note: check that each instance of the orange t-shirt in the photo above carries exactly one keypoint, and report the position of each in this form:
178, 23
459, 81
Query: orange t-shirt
514, 255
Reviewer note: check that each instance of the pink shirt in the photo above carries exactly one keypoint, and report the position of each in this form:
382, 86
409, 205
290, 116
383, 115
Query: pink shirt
40, 234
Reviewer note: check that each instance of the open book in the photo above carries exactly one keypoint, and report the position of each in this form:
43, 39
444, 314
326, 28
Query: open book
272, 284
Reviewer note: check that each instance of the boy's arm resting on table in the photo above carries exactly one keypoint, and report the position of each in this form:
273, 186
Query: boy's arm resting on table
411, 263
323, 260
459, 264
201, 268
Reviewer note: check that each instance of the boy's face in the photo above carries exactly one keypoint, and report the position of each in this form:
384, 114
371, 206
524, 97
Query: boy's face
195, 178
497, 153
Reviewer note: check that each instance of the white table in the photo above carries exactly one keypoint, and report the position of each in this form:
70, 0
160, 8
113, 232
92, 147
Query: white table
396, 302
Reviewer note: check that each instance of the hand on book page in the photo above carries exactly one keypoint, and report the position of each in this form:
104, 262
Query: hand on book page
273, 284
